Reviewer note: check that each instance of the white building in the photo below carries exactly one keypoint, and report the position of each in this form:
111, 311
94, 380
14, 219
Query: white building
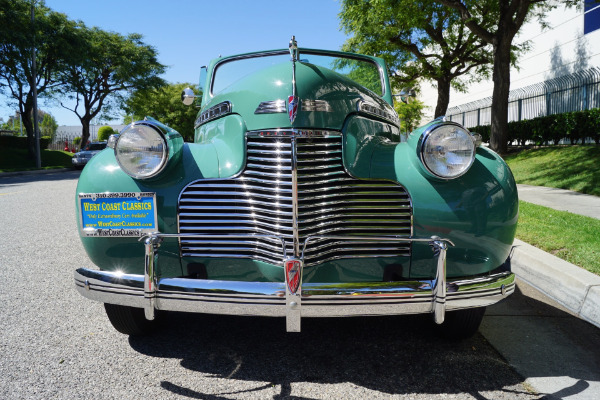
560, 73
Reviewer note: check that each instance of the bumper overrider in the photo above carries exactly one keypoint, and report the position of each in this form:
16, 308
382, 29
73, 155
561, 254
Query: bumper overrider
292, 298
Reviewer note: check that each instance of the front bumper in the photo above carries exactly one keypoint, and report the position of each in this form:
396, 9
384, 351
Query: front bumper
433, 296
79, 162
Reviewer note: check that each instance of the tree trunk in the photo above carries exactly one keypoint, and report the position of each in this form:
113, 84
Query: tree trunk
501, 77
443, 85
28, 125
85, 131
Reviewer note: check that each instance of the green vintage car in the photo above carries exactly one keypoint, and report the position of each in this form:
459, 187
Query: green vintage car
300, 197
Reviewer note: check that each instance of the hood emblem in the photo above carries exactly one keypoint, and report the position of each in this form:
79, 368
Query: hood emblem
293, 274
292, 107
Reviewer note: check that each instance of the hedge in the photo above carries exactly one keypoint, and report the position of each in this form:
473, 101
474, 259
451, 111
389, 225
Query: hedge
104, 133
20, 142
575, 126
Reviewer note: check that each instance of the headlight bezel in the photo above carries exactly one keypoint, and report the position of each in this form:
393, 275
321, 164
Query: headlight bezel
423, 141
165, 149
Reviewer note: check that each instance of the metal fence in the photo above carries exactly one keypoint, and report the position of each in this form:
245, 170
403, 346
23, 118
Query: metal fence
64, 139
575, 92
63, 142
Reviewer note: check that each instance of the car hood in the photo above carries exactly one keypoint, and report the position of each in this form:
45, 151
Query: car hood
337, 94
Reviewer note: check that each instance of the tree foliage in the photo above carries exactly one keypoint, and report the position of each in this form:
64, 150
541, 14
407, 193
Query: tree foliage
509, 16
105, 68
48, 125
410, 113
104, 133
52, 34
418, 39
163, 104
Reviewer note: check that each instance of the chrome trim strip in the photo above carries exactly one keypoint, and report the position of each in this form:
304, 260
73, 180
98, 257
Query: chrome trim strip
295, 227
294, 132
372, 109
271, 107
315, 105
214, 112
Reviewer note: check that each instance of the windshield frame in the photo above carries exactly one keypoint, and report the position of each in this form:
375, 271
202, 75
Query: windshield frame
378, 63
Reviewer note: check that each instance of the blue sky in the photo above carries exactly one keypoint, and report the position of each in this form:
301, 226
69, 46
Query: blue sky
188, 34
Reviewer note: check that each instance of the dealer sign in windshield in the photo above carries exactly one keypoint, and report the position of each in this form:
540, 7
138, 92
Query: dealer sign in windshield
117, 214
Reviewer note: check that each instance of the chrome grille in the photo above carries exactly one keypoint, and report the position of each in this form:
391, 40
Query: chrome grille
260, 201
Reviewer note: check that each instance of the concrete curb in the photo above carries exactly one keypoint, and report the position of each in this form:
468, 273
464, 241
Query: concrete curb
34, 172
575, 288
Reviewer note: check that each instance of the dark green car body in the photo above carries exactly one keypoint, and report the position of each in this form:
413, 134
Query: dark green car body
475, 212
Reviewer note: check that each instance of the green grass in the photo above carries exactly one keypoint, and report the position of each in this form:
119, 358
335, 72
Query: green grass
570, 167
572, 237
18, 160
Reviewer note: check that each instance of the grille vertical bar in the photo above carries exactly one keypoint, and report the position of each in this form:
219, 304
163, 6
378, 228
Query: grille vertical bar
261, 201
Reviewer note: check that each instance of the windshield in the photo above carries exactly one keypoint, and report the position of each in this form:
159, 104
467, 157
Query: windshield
96, 146
362, 71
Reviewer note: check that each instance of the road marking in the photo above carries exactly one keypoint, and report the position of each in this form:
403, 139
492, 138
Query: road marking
4, 194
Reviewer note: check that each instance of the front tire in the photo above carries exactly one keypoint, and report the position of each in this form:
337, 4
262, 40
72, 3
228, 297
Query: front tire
129, 320
461, 324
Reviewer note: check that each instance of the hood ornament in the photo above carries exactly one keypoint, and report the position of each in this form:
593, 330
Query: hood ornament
293, 49
293, 99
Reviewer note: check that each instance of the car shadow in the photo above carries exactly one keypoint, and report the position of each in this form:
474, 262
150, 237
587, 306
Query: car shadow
392, 355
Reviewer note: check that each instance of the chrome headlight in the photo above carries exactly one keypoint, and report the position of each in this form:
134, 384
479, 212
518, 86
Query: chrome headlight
141, 150
447, 150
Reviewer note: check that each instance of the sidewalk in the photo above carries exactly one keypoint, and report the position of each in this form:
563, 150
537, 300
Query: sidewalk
573, 287
561, 199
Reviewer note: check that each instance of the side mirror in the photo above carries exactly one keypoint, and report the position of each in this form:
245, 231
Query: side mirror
187, 96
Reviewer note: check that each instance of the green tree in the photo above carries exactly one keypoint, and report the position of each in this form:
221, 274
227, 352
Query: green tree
104, 133
509, 16
163, 104
410, 114
48, 125
52, 34
418, 39
98, 76
14, 123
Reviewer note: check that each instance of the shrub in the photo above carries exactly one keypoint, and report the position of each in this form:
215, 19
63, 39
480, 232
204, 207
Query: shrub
76, 141
104, 133
483, 130
45, 142
13, 142
575, 126
20, 142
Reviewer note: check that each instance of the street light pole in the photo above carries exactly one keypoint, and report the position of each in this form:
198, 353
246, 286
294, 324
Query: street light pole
36, 132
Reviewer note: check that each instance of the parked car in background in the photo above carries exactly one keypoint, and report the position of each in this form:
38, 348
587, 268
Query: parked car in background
81, 158
300, 197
